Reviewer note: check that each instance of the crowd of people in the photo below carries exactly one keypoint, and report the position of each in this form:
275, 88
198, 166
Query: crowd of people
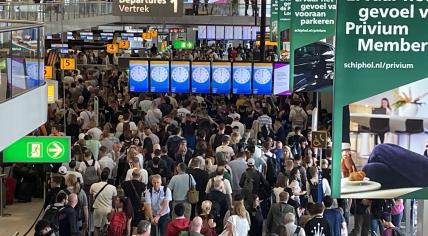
192, 164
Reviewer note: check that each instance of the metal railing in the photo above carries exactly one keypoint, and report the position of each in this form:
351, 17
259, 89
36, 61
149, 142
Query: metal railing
221, 8
21, 57
54, 11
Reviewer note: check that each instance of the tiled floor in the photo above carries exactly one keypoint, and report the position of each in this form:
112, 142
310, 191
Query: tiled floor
22, 216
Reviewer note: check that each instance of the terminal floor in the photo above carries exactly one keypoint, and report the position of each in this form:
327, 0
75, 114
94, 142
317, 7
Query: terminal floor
19, 217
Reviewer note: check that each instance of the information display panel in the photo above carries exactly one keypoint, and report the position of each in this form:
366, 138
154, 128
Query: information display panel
219, 32
202, 32
201, 77
159, 76
237, 32
228, 32
138, 76
210, 32
221, 77
281, 78
262, 78
241, 78
246, 33
180, 76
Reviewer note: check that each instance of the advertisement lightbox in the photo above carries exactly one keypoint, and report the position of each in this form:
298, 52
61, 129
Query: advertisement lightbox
180, 76
222, 76
241, 78
159, 76
138, 76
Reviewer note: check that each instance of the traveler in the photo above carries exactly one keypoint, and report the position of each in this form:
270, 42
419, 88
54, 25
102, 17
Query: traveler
318, 225
180, 223
334, 217
144, 228
195, 228
277, 213
180, 185
103, 195
292, 228
157, 199
134, 189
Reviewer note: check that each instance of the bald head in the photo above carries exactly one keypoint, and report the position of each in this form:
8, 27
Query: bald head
196, 224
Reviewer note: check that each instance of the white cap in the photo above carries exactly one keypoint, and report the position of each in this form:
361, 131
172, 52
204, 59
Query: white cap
82, 136
346, 146
251, 162
62, 170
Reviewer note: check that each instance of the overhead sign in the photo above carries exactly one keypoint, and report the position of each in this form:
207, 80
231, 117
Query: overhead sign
124, 44
182, 44
48, 72
112, 48
382, 53
52, 91
319, 139
68, 64
159, 8
38, 150
311, 22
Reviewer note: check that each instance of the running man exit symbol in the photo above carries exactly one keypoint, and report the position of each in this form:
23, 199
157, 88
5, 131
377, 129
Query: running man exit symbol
34, 150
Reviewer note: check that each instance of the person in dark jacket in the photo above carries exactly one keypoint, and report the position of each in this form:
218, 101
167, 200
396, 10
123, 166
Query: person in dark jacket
201, 179
55, 188
360, 210
277, 213
134, 190
256, 216
219, 200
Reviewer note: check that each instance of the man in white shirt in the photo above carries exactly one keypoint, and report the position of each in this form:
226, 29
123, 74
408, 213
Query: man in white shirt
143, 173
237, 123
183, 111
103, 195
106, 161
224, 147
94, 131
85, 117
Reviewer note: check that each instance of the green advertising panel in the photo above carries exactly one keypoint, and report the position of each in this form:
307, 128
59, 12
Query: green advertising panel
38, 150
274, 21
381, 75
284, 17
311, 58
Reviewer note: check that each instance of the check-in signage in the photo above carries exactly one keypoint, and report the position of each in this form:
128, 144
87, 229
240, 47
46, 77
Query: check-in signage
48, 72
68, 64
152, 8
38, 150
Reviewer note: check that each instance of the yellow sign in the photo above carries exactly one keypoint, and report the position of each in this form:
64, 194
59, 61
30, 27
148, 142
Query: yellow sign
48, 72
319, 139
52, 89
112, 48
123, 44
147, 35
68, 64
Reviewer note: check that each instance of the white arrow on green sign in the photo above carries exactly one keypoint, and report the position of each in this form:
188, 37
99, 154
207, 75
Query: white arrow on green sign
38, 150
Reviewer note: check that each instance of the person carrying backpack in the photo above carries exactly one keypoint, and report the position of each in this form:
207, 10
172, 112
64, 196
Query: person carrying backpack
90, 169
217, 139
61, 217
293, 141
120, 218
298, 116
271, 163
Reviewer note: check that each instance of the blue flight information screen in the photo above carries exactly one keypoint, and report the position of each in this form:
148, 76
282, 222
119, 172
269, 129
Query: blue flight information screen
241, 78
201, 77
180, 76
159, 76
222, 76
262, 78
35, 71
138, 76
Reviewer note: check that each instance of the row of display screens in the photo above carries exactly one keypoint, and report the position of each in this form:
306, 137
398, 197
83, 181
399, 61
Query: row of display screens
207, 77
221, 32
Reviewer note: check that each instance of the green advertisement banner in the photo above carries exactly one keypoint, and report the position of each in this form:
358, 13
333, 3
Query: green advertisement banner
381, 75
311, 58
274, 21
284, 18
38, 150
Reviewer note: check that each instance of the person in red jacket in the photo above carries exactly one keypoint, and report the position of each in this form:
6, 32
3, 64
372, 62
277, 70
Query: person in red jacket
179, 224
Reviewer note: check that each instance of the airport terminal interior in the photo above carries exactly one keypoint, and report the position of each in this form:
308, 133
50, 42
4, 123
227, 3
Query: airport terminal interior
214, 117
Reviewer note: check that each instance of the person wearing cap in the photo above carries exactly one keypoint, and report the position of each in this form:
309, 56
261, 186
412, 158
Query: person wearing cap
347, 164
256, 176
237, 123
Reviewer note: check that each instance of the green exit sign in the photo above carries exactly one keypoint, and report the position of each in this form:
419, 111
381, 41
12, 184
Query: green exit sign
183, 44
38, 150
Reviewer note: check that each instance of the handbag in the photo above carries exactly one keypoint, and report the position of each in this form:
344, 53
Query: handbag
226, 231
192, 194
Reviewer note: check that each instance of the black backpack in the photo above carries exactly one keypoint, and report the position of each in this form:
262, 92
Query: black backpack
218, 140
271, 172
52, 215
397, 232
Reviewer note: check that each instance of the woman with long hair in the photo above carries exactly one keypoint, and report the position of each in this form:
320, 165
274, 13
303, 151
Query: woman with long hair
256, 216
296, 185
280, 185
237, 224
122, 212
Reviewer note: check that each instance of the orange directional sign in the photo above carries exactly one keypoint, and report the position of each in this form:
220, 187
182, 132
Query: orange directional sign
112, 48
68, 64
48, 72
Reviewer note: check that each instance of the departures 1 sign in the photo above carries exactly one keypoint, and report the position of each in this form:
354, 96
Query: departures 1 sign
151, 8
